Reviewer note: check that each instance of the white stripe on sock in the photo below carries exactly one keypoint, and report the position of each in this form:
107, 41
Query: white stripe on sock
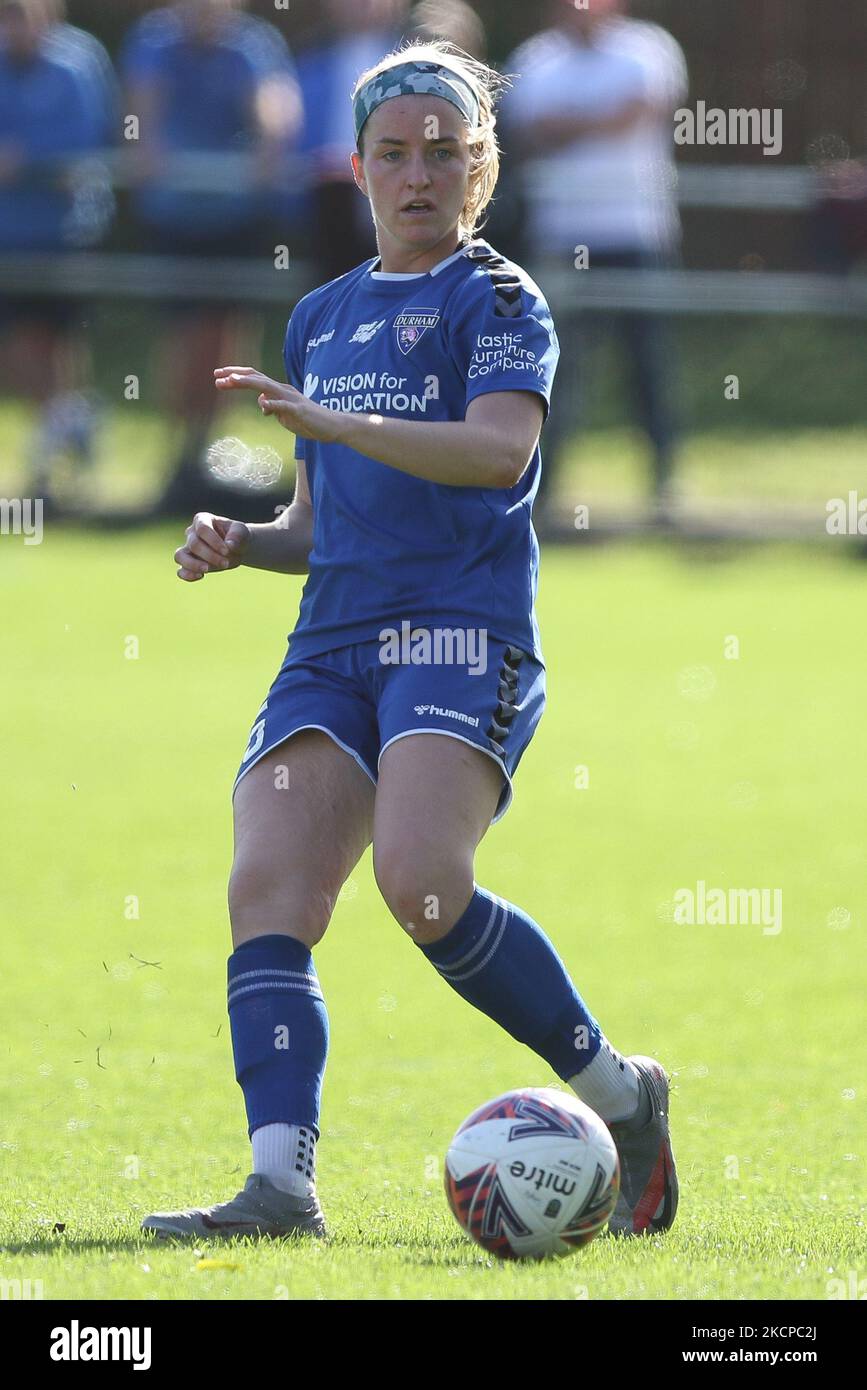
283, 974
448, 970
310, 988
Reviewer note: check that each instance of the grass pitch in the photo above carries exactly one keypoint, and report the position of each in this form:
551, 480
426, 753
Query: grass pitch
118, 1095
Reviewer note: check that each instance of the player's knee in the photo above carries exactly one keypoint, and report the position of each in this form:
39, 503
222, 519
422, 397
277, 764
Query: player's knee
262, 901
419, 895
398, 878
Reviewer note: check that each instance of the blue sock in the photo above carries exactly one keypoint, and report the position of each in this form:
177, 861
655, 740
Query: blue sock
279, 1031
500, 960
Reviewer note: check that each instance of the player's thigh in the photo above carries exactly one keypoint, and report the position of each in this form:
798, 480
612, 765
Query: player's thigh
435, 798
303, 816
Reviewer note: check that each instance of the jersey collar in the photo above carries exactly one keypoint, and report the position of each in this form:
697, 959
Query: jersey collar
385, 275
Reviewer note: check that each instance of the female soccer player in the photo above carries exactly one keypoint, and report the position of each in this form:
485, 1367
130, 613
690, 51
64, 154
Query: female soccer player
419, 383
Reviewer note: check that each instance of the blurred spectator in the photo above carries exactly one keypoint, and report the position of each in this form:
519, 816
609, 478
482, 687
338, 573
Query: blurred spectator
54, 111
95, 201
89, 57
591, 111
359, 33
204, 78
449, 19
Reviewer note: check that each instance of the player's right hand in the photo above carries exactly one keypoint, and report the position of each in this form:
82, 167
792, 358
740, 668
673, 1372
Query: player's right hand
213, 543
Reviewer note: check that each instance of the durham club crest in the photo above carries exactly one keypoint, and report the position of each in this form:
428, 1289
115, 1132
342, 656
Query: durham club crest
412, 325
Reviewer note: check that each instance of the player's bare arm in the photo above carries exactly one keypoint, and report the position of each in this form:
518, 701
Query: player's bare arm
216, 543
490, 448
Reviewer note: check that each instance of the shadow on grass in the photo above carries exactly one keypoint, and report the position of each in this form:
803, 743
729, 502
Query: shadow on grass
70, 1246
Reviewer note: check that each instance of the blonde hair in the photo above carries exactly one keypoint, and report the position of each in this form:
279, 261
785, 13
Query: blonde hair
488, 85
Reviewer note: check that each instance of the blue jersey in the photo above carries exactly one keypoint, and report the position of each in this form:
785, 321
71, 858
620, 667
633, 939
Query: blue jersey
388, 546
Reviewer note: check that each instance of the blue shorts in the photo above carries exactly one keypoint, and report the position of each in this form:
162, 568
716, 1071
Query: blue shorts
364, 705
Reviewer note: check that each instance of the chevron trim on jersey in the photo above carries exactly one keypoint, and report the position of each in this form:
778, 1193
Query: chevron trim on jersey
507, 699
507, 283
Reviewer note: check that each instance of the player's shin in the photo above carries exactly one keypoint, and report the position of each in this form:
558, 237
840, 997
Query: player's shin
280, 1040
498, 959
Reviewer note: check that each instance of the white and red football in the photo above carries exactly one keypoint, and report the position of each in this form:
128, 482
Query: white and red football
533, 1173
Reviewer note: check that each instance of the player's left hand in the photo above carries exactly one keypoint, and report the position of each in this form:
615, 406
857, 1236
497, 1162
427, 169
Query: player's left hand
289, 407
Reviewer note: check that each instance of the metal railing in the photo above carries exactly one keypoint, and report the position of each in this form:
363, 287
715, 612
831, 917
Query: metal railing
119, 275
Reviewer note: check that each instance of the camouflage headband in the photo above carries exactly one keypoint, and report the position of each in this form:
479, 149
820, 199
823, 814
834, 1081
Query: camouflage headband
415, 79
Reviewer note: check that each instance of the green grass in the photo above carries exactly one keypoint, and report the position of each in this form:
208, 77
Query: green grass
758, 471
117, 778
